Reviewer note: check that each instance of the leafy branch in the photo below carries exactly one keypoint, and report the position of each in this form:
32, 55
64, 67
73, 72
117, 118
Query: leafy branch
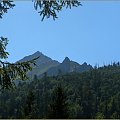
4, 6
49, 8
12, 71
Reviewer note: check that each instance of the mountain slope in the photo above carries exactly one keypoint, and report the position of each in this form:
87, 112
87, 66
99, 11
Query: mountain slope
68, 66
43, 63
52, 67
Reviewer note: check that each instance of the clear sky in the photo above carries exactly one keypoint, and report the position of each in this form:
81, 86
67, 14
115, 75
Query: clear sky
89, 33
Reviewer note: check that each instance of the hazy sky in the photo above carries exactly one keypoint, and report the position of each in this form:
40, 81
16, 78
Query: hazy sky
89, 33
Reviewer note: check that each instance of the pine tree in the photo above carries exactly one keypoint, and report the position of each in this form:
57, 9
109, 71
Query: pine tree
28, 109
45, 95
59, 106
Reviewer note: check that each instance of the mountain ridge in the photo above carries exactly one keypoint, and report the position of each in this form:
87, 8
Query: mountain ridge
52, 67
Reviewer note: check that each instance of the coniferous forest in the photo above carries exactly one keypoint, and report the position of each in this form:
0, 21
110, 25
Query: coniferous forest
92, 94
81, 92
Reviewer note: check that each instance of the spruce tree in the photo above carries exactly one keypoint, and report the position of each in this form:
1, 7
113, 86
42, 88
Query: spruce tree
59, 105
28, 109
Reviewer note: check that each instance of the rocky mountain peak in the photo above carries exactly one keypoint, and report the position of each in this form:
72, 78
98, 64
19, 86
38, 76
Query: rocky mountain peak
84, 63
37, 54
66, 60
46, 64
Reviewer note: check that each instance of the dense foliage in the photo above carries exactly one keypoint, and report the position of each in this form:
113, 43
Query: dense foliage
93, 94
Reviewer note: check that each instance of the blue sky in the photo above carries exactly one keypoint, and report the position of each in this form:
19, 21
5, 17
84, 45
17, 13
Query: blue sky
89, 33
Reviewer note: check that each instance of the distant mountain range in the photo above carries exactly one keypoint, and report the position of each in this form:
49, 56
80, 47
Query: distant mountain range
53, 67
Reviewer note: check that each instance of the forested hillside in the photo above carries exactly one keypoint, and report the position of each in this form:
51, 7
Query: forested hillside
92, 94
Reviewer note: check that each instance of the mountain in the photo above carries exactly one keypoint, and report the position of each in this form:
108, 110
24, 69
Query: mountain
68, 66
53, 67
43, 63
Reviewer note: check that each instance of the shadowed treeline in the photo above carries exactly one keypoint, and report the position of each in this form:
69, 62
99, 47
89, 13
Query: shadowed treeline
93, 94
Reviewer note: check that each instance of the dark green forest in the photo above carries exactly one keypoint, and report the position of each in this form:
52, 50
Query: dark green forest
92, 94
